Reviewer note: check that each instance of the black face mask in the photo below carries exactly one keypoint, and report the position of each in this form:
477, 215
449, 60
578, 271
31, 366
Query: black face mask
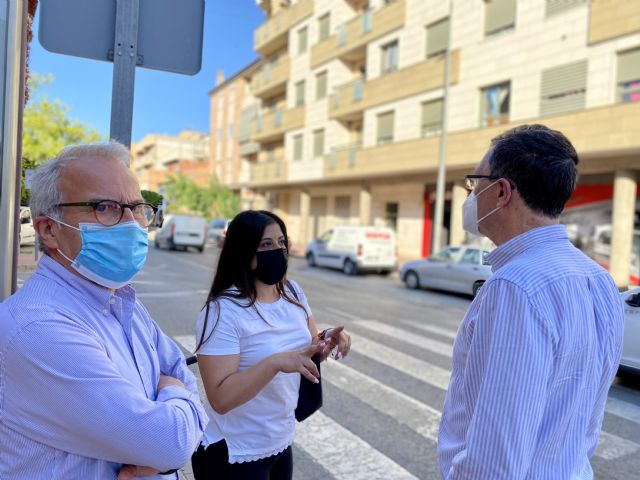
272, 266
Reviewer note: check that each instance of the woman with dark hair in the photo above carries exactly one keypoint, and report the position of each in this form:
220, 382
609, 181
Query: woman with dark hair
256, 336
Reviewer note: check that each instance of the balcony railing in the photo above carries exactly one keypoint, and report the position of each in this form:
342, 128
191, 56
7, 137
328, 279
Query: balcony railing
359, 31
355, 96
272, 78
612, 18
272, 35
266, 173
273, 125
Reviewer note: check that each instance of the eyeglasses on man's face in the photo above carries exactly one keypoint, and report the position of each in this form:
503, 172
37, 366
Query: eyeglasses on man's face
110, 212
471, 181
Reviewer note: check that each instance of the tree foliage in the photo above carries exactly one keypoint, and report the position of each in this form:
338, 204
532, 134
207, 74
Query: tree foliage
153, 198
213, 201
47, 129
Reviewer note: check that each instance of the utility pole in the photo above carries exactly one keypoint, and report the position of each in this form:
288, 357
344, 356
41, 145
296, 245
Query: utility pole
436, 245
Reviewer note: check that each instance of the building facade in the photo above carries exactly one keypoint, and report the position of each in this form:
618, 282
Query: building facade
350, 93
157, 157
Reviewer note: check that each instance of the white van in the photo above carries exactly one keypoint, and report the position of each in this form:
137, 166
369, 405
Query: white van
27, 232
182, 231
355, 249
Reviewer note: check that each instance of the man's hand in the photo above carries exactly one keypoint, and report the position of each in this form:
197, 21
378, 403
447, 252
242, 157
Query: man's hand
166, 380
129, 472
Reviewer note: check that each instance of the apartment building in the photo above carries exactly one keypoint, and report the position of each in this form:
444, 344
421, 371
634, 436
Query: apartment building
157, 157
350, 98
233, 110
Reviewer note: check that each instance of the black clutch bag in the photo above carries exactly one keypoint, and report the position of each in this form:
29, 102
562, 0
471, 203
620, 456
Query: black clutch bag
309, 396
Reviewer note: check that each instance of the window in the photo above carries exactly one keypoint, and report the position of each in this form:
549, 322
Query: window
447, 255
219, 134
390, 57
563, 88
318, 143
431, 118
385, 128
324, 26
321, 85
391, 215
343, 207
302, 40
471, 256
271, 153
326, 236
300, 93
437, 37
499, 16
558, 6
629, 76
494, 105
297, 147
231, 130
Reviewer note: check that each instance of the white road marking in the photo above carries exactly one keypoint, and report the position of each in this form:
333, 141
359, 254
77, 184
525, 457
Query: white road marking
622, 409
179, 293
611, 446
345, 455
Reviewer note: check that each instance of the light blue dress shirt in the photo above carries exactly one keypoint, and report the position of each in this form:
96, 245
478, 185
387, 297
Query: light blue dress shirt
532, 365
79, 369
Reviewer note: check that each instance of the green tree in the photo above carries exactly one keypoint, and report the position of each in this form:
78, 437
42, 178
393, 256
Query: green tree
212, 201
153, 198
47, 129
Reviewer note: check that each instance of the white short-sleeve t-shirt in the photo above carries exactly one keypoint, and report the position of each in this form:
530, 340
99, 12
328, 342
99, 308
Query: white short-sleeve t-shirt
265, 425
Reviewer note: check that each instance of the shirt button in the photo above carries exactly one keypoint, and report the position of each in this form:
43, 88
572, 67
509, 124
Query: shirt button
112, 300
105, 311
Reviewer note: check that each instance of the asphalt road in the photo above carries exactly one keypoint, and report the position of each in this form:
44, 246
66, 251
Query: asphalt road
382, 404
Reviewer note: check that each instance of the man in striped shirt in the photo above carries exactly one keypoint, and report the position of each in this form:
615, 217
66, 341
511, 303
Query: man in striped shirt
540, 345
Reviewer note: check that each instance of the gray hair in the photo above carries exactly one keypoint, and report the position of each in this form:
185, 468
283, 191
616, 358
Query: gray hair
45, 184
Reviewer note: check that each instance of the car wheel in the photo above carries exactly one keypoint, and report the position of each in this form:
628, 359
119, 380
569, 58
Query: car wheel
172, 245
476, 287
349, 268
201, 248
311, 261
385, 273
156, 243
411, 280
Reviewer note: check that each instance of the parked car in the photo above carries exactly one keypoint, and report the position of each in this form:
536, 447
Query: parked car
27, 232
454, 269
630, 360
355, 249
217, 230
182, 231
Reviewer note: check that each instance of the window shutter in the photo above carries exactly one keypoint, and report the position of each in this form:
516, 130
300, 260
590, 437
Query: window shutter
300, 93
323, 28
558, 6
629, 66
431, 117
318, 143
385, 128
437, 37
499, 14
563, 88
321, 85
297, 147
302, 40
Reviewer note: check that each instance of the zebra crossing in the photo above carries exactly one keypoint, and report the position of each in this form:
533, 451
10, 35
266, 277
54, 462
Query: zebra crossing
345, 455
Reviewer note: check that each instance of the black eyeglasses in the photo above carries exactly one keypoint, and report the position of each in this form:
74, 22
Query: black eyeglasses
110, 212
471, 181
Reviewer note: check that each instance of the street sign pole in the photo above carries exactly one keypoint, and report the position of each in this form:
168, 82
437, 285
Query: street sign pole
125, 54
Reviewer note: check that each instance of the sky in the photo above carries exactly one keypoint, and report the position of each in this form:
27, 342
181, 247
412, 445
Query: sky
165, 102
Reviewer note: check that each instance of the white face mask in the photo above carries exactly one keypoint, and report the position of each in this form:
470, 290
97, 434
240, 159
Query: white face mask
470, 219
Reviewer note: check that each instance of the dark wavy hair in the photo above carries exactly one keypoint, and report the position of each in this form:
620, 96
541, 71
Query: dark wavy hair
234, 265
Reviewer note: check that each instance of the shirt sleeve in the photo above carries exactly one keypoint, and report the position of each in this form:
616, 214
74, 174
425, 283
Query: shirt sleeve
62, 390
509, 364
221, 333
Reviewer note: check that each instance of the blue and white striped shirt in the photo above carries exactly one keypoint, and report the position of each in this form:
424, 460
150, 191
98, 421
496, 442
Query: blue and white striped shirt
532, 364
79, 369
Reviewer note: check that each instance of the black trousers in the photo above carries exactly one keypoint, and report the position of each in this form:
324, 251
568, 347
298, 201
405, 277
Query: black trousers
212, 463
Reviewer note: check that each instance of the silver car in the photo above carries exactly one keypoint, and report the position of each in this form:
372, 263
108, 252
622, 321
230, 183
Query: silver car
454, 269
630, 360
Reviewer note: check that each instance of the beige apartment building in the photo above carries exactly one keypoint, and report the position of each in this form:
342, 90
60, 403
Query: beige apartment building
349, 97
233, 110
157, 157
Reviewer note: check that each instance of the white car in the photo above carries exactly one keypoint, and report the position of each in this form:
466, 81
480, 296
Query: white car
217, 230
182, 231
454, 269
27, 232
630, 360
354, 249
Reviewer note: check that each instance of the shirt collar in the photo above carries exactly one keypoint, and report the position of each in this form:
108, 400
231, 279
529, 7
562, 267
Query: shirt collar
94, 295
517, 245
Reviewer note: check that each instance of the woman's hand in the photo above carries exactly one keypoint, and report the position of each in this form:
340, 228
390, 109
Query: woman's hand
300, 361
336, 337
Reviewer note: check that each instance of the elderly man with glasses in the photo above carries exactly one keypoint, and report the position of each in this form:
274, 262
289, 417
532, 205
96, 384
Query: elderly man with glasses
90, 387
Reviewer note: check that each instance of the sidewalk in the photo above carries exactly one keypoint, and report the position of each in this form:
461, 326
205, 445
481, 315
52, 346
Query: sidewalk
26, 259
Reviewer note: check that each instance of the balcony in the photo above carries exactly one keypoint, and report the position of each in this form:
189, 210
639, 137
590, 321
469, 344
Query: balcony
613, 18
272, 78
610, 133
273, 34
269, 173
358, 32
351, 99
273, 125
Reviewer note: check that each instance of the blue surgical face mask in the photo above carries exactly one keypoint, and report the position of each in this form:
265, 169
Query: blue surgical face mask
110, 256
